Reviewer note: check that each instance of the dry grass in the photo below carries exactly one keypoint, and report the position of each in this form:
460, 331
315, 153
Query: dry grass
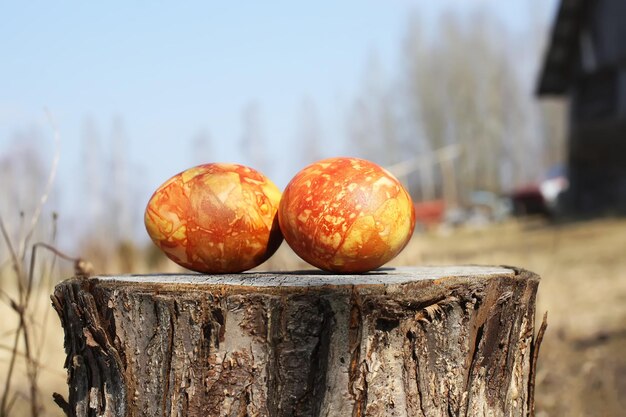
582, 368
52, 376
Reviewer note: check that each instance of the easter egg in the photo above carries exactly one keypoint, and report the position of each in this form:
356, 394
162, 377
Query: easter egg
346, 215
216, 218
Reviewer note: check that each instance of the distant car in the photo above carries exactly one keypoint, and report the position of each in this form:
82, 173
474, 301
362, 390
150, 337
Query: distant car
540, 198
528, 200
429, 213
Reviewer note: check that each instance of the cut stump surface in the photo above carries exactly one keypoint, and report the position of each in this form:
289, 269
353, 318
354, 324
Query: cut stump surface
428, 341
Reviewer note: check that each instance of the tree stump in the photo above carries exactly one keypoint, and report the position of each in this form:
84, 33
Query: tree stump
428, 341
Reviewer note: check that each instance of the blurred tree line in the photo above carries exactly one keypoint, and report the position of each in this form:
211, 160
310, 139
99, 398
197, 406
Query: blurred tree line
469, 85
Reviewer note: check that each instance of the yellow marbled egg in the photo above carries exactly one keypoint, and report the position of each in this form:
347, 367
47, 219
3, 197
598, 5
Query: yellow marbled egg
216, 218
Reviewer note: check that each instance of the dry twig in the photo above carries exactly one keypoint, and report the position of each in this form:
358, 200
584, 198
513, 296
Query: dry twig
25, 277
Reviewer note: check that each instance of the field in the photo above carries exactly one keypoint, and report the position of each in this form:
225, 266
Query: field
582, 367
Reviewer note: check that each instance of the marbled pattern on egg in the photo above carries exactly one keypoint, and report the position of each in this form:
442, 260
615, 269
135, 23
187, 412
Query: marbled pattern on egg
216, 218
346, 215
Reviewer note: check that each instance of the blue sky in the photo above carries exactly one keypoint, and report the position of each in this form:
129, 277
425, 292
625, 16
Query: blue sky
171, 70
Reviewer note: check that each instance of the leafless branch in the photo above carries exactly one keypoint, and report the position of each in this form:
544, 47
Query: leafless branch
9, 377
46, 194
14, 256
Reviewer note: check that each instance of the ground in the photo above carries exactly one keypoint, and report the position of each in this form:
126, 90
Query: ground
582, 367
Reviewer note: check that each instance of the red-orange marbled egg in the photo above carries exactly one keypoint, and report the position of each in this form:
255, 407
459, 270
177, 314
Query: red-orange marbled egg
346, 215
216, 218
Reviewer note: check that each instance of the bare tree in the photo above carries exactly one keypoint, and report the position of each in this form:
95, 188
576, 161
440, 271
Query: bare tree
464, 86
550, 115
252, 141
22, 179
121, 211
309, 134
201, 148
113, 210
469, 87
424, 98
373, 118
92, 163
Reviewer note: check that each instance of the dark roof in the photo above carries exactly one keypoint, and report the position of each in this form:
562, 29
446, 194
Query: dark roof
562, 51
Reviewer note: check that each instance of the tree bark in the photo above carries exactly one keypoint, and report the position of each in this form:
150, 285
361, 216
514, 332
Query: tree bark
428, 341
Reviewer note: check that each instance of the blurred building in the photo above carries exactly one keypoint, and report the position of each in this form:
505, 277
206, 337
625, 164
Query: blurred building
586, 63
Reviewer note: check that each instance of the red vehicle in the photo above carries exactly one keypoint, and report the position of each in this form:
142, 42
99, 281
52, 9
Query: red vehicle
541, 198
429, 213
